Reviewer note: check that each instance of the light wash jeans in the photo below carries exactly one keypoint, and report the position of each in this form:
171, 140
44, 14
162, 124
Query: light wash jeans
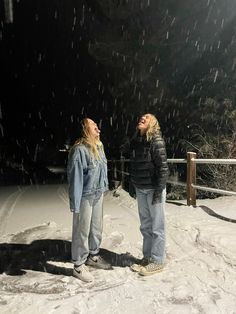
152, 219
87, 229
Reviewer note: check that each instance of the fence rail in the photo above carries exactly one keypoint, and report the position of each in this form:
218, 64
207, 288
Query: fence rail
190, 185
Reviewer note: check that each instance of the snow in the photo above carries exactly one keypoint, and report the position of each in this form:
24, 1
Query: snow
35, 221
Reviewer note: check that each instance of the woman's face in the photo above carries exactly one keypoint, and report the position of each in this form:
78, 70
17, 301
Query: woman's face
93, 128
144, 123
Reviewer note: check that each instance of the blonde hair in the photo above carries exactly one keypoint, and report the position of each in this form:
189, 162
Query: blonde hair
153, 127
93, 144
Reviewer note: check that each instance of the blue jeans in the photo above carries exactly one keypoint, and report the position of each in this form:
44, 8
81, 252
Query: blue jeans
87, 229
152, 219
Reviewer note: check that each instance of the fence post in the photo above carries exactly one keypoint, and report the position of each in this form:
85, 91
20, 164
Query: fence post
191, 179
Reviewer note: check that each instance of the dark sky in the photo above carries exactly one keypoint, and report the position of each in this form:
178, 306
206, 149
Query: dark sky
50, 81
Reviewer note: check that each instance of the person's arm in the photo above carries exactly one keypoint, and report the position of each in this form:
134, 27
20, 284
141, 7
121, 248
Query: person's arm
75, 179
161, 167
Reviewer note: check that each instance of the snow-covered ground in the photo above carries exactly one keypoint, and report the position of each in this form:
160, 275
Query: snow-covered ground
35, 277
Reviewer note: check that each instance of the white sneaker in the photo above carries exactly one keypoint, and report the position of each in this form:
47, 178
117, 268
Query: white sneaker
98, 262
82, 272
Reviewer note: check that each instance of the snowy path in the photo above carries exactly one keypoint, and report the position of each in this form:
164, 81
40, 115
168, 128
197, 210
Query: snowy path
199, 276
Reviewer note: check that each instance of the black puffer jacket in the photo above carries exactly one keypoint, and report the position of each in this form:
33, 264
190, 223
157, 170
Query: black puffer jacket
148, 163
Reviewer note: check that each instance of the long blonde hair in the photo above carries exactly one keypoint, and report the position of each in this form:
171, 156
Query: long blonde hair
153, 127
93, 144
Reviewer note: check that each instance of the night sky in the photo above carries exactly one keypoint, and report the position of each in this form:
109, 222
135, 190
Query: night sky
50, 81
110, 60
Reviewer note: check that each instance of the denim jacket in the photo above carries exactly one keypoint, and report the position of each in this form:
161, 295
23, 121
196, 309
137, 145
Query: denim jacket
86, 176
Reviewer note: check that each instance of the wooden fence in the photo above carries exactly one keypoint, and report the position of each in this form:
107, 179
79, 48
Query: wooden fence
191, 161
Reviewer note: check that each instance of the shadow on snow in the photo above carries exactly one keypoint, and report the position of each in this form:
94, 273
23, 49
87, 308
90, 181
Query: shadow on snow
16, 259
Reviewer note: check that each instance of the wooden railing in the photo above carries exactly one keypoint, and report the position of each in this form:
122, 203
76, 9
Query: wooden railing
190, 185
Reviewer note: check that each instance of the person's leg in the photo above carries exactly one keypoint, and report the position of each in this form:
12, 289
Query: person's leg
145, 221
95, 235
158, 236
80, 233
157, 212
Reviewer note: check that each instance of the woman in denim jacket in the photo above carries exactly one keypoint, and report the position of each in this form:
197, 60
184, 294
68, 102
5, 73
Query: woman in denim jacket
87, 178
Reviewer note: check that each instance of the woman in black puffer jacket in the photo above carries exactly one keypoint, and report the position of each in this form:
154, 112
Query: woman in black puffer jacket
148, 176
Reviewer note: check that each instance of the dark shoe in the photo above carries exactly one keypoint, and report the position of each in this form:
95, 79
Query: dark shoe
98, 262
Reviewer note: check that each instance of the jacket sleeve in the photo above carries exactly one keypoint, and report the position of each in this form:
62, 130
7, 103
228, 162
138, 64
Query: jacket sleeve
75, 180
160, 161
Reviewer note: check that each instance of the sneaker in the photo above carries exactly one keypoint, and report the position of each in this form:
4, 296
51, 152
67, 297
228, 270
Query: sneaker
82, 272
98, 262
150, 269
137, 267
